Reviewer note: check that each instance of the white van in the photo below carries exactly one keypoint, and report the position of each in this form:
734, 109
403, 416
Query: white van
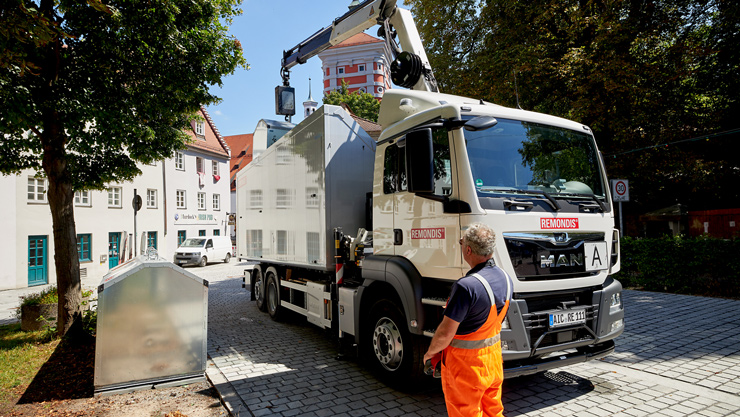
203, 249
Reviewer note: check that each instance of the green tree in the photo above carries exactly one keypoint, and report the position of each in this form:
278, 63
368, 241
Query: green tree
361, 103
91, 88
640, 73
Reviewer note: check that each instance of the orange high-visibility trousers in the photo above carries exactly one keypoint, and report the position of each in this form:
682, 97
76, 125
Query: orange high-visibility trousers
473, 368
471, 381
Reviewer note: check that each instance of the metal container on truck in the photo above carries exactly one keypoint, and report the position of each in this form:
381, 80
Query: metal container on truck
291, 197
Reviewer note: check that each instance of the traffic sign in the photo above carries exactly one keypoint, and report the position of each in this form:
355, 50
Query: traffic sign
136, 203
620, 190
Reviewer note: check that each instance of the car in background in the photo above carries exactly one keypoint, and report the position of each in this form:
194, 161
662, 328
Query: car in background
203, 249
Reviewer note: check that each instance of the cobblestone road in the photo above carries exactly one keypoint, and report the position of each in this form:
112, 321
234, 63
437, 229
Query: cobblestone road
679, 356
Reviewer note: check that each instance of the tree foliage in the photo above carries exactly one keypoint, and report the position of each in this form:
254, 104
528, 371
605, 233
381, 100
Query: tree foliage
639, 73
362, 104
91, 88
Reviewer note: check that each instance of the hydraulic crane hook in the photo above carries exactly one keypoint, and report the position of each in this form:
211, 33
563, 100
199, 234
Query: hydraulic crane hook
285, 96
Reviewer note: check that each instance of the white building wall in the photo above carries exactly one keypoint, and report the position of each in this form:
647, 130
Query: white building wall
96, 219
191, 219
21, 218
232, 228
8, 223
100, 219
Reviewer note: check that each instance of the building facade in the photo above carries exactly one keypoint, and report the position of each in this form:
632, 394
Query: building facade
362, 61
197, 187
177, 201
241, 155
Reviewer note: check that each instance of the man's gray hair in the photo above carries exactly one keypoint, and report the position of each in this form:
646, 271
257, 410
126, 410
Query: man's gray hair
481, 239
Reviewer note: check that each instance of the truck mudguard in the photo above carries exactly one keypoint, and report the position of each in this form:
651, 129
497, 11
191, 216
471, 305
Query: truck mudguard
405, 279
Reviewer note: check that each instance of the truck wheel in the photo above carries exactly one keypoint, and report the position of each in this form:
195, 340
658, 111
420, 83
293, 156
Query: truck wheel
227, 258
272, 294
203, 261
259, 288
394, 352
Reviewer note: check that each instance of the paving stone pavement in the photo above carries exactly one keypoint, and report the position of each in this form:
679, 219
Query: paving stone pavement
679, 356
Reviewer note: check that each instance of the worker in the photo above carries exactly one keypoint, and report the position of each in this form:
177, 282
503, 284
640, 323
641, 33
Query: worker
468, 338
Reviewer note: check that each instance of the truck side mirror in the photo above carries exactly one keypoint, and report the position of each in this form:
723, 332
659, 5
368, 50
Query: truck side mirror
420, 161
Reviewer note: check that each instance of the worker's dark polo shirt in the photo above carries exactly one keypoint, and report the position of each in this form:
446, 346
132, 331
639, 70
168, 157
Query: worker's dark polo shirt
469, 304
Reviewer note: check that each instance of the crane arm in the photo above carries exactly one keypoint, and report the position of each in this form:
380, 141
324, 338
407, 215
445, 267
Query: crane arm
368, 14
410, 67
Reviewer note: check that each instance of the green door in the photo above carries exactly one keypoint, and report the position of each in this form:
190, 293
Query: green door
37, 270
114, 244
151, 240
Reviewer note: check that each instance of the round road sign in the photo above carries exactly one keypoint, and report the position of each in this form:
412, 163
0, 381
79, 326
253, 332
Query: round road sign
136, 203
620, 190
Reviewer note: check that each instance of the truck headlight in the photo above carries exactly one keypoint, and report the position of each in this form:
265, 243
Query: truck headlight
617, 325
616, 299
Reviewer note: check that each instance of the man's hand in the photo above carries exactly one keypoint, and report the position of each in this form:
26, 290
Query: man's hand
432, 357
442, 337
432, 366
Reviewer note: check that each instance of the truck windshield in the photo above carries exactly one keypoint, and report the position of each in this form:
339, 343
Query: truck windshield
193, 243
516, 157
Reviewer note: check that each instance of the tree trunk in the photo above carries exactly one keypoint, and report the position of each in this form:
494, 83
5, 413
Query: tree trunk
61, 202
66, 259
60, 193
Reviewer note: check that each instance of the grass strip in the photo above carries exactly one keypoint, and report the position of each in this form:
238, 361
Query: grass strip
21, 356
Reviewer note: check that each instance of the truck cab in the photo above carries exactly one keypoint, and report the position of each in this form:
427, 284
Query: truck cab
444, 162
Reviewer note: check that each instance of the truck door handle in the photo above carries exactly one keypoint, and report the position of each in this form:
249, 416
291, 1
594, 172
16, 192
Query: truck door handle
397, 237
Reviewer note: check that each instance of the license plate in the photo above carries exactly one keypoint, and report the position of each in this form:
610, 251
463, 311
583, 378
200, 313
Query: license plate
567, 317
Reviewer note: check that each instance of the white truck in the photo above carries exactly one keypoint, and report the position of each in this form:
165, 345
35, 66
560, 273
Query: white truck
361, 235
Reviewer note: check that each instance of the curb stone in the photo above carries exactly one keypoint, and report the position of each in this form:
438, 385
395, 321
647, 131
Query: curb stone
226, 392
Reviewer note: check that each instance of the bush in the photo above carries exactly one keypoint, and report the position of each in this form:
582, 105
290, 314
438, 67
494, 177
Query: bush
90, 321
699, 266
47, 296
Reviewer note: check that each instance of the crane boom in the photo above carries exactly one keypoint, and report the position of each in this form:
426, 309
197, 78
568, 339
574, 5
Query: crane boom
357, 20
410, 67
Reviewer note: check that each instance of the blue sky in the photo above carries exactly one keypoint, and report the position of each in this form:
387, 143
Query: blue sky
265, 29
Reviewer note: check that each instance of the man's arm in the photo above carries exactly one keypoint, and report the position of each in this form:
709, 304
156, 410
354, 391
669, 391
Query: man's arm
442, 337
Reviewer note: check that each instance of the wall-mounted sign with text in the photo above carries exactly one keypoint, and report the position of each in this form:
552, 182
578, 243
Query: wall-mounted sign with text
196, 218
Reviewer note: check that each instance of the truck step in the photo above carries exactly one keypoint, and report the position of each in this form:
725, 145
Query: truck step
429, 333
434, 301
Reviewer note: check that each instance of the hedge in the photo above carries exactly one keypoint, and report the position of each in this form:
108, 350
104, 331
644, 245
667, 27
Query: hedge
698, 266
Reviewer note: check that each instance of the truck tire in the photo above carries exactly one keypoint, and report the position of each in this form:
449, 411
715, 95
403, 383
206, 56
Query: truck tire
227, 258
259, 288
272, 294
203, 261
394, 353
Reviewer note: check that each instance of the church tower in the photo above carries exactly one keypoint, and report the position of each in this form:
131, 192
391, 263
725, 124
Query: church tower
310, 105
